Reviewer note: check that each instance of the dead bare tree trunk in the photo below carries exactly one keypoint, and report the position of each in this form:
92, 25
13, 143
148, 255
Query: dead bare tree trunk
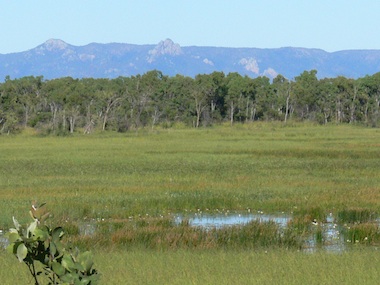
110, 104
232, 113
199, 109
352, 107
287, 108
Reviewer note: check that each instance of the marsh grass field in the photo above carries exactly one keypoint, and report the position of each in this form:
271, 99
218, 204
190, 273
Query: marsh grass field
299, 169
222, 267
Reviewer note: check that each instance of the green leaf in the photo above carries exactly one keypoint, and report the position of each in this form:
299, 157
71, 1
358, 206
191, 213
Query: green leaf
58, 268
12, 248
13, 237
31, 228
60, 247
16, 223
41, 234
22, 252
79, 267
94, 277
53, 249
57, 233
12, 230
84, 281
68, 278
85, 260
68, 262
47, 243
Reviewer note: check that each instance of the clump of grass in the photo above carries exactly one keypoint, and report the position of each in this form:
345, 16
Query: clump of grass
311, 214
299, 225
163, 233
356, 215
304, 219
364, 233
306, 223
319, 236
255, 234
71, 228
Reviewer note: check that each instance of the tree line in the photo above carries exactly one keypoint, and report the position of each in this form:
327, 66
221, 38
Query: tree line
67, 105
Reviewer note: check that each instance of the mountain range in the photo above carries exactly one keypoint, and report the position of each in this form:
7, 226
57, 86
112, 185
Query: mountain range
56, 58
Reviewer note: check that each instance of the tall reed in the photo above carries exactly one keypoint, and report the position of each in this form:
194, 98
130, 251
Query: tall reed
356, 215
162, 233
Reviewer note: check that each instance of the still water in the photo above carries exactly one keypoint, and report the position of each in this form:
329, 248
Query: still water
218, 221
333, 239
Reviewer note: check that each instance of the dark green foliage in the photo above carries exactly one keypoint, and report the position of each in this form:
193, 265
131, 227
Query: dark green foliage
67, 105
41, 249
351, 216
319, 236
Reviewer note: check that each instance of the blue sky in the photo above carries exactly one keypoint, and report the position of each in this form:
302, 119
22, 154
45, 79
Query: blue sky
327, 24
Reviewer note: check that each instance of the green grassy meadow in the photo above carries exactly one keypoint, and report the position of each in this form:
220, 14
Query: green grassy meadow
265, 167
223, 267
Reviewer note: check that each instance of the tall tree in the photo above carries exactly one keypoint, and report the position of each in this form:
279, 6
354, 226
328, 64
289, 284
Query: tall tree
282, 88
326, 100
203, 91
346, 94
178, 98
264, 98
306, 93
234, 96
371, 89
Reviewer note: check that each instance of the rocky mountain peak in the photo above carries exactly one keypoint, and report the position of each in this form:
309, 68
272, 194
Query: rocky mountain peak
166, 47
54, 44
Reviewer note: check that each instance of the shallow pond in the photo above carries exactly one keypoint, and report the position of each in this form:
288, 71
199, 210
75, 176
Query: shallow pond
218, 221
331, 232
333, 239
331, 236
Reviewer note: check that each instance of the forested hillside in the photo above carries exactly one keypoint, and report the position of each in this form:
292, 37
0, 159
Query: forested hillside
67, 105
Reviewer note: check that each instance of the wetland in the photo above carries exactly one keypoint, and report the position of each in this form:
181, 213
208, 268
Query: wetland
160, 197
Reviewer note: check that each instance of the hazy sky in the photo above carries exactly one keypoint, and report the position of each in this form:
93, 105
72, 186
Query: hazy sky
327, 24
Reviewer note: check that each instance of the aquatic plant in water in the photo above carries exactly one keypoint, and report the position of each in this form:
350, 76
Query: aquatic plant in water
356, 215
364, 233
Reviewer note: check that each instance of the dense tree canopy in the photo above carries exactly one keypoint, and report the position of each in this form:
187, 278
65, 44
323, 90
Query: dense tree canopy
68, 105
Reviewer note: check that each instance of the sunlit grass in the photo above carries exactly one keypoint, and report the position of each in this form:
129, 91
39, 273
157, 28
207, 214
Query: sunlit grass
222, 267
304, 169
270, 167
238, 267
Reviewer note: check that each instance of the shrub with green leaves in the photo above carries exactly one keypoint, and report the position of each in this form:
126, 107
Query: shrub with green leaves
41, 249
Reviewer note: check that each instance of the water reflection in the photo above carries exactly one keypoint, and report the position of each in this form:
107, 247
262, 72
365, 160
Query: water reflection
3, 240
218, 221
87, 229
332, 239
330, 236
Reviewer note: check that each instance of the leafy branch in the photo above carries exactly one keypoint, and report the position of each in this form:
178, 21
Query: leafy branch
37, 244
